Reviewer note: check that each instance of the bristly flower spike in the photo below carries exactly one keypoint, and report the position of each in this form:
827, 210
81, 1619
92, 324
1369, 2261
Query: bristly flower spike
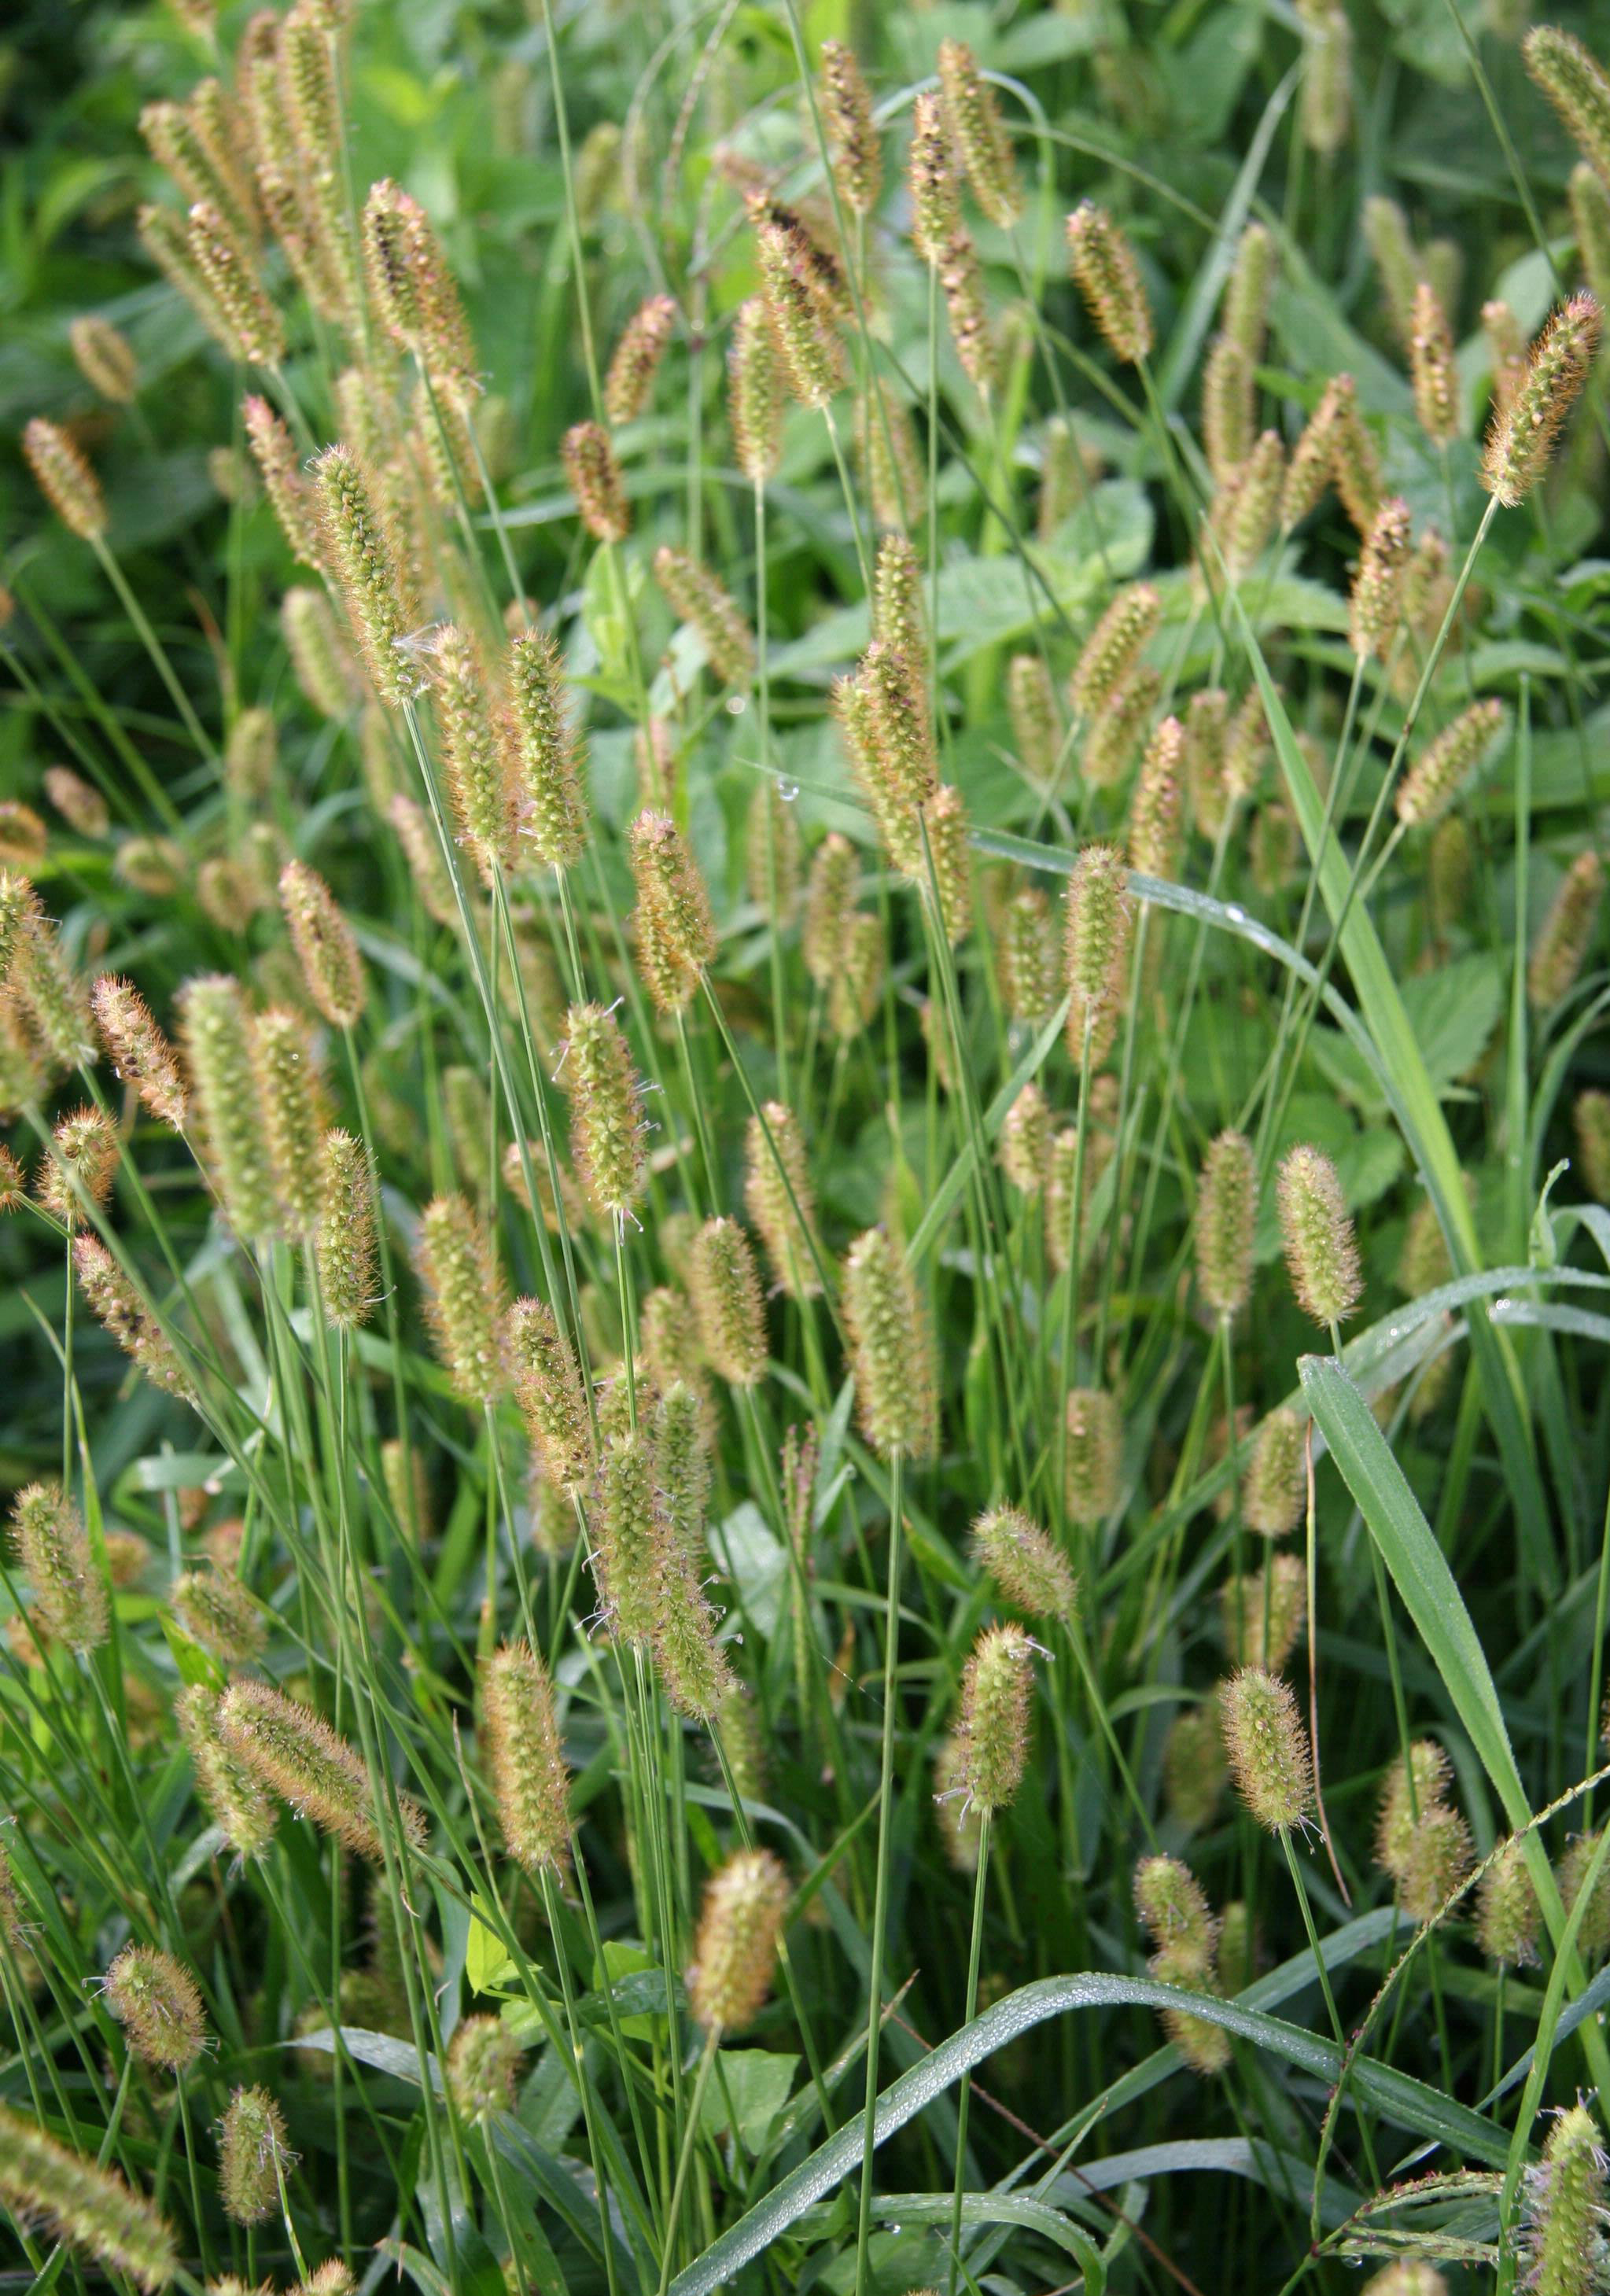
359, 550
993, 1730
54, 1550
545, 754
740, 1927
853, 135
254, 2159
1321, 1254
606, 1110
1108, 276
981, 138
1443, 766
345, 1238
1577, 87
1268, 1749
754, 399
1520, 437
727, 1297
453, 1255
525, 1759
326, 945
1227, 1205
294, 1752
596, 481
1377, 591
636, 358
891, 1349
1028, 1567
65, 478
155, 1999
1564, 937
87, 2207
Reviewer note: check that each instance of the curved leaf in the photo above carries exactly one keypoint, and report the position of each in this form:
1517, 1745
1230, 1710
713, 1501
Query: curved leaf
1406, 2102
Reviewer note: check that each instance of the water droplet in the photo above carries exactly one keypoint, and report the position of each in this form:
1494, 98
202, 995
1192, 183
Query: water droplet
788, 790
1234, 913
735, 705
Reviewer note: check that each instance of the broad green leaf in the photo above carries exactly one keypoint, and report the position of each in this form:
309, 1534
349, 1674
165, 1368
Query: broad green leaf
1431, 1596
1406, 2102
750, 2088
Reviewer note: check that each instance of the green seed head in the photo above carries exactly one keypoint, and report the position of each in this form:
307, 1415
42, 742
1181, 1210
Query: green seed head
755, 393
548, 1386
1094, 1446
1154, 822
1591, 1117
1520, 440
546, 758
1264, 1612
1029, 1570
1437, 776
606, 1110
1029, 960
735, 1950
1577, 87
1564, 2209
829, 902
1095, 940
1408, 1791
778, 1197
1566, 935
525, 1759
637, 357
345, 1238
1437, 1859
253, 2157
1226, 1206
359, 546
890, 1351
1377, 590
65, 478
1193, 1771
69, 1599
296, 1754
230, 1790
596, 481
1268, 1749
853, 136
464, 1302
993, 1730
974, 120
1025, 1141
1507, 1913
155, 2001
1114, 647
626, 1536
961, 1822
89, 2208
1321, 1255
218, 1610
1593, 1938
1031, 706
483, 2064
726, 1298
935, 193
1274, 1491
1108, 276
1174, 1911
322, 666
802, 320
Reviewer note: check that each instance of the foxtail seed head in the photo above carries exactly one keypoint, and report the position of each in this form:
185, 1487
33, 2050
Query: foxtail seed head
1593, 1935
688, 1658
294, 1752
802, 320
230, 1790
606, 1110
483, 2063
1317, 1233
961, 282
1590, 195
1028, 1567
345, 1235
701, 599
1096, 938
1326, 110
453, 1253
1377, 591
1577, 87
1437, 1859
961, 1822
105, 358
1029, 958
326, 945
479, 782
1431, 368
636, 358
1521, 437
993, 1730
1025, 1141
82, 1167
1154, 827
53, 1546
359, 548
936, 211
1094, 1449
1263, 1613
898, 614
220, 1611
1229, 409
117, 1306
1227, 1206
754, 392
853, 135
324, 669
778, 1197
548, 1386
673, 907
1507, 1913
65, 478
1108, 276
891, 1349
1174, 1911
546, 756
1118, 728
89, 2208
80, 804
829, 901
1244, 313
525, 1759
155, 1999
1031, 707
627, 1535
1114, 646
291, 1093
735, 1949
1591, 1120
1193, 1771
253, 2157
1566, 933
1268, 1747
241, 316
1564, 2209
727, 1297
1275, 1490
1446, 764
595, 481
413, 292
975, 123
